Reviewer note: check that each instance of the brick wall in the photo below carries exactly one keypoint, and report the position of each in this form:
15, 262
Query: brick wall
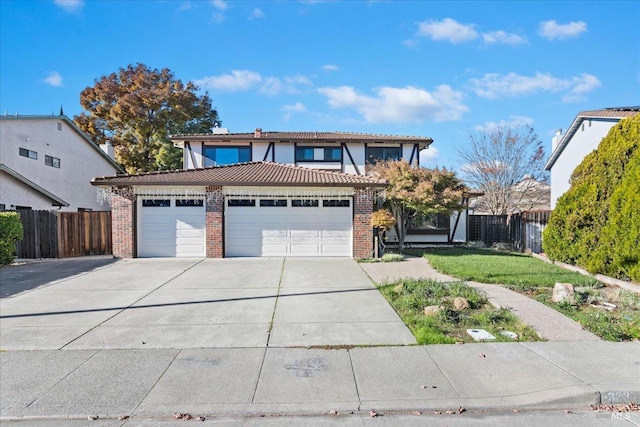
362, 230
122, 224
214, 219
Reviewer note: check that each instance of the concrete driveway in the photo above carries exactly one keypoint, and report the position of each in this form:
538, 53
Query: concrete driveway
196, 303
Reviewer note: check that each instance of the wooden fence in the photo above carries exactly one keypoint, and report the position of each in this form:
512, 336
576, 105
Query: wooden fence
51, 234
523, 231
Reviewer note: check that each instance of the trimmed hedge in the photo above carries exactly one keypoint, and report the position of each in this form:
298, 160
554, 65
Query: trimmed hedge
10, 233
596, 223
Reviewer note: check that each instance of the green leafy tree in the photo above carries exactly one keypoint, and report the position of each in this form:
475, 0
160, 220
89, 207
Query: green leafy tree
137, 108
414, 191
596, 223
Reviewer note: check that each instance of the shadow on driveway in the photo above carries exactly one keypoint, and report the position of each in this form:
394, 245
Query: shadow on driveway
30, 275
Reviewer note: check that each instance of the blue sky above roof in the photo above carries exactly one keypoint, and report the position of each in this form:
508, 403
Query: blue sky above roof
434, 69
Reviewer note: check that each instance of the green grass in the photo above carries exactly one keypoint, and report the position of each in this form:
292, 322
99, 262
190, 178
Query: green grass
409, 297
507, 268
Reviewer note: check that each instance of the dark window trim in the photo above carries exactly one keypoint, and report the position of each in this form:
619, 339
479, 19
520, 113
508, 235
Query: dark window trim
336, 203
156, 203
51, 161
189, 203
241, 202
25, 152
305, 203
273, 203
323, 148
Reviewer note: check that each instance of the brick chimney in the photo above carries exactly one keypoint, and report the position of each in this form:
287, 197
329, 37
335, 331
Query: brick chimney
258, 133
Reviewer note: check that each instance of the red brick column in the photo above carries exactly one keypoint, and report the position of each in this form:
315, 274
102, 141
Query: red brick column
214, 220
122, 223
362, 230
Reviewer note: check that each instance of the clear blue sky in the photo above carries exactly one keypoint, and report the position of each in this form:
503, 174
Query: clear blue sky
437, 69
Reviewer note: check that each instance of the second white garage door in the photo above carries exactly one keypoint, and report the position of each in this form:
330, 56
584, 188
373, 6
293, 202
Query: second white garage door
288, 227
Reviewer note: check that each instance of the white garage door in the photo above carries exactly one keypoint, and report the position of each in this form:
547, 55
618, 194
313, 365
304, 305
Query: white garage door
171, 228
288, 227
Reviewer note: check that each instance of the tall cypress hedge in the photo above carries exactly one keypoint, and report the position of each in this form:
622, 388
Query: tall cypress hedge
596, 223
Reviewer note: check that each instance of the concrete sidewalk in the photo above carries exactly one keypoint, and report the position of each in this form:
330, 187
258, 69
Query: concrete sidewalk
547, 322
232, 381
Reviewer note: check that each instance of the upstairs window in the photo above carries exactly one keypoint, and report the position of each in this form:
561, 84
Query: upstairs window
52, 161
304, 154
29, 153
220, 156
333, 154
374, 154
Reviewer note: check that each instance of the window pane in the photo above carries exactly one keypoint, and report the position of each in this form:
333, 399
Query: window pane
220, 156
159, 203
305, 203
382, 153
333, 154
241, 202
304, 154
189, 203
273, 202
339, 203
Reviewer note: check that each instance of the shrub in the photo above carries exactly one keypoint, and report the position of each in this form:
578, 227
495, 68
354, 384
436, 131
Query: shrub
392, 257
596, 223
10, 233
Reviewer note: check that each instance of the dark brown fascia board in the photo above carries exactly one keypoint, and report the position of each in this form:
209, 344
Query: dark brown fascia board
119, 183
226, 138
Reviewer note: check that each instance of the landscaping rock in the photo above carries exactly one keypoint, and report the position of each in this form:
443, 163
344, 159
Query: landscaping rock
562, 292
460, 304
432, 310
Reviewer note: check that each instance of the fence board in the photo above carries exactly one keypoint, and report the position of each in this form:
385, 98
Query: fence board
50, 234
522, 231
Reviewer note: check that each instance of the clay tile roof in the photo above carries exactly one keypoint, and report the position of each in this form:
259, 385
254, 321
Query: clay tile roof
251, 174
618, 112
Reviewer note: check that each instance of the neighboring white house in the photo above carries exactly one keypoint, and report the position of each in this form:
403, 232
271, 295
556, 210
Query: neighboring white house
46, 162
584, 136
265, 194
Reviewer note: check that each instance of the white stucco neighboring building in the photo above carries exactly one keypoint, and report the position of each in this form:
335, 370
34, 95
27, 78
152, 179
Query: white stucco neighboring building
46, 163
582, 137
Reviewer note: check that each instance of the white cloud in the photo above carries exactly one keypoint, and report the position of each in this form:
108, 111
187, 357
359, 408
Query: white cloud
330, 67
552, 30
185, 5
514, 121
237, 80
243, 80
256, 14
298, 107
495, 86
429, 157
501, 37
399, 105
53, 79
70, 6
447, 30
221, 5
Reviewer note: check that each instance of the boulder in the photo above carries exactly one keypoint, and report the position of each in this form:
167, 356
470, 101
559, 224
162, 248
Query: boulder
562, 292
460, 304
432, 310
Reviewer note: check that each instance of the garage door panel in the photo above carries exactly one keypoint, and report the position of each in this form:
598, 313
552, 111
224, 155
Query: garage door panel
288, 231
172, 231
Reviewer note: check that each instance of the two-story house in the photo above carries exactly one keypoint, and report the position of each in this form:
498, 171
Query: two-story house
582, 137
264, 194
46, 162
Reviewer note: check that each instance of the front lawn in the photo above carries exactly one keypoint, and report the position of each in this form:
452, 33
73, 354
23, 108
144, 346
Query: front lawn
506, 268
444, 323
609, 312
